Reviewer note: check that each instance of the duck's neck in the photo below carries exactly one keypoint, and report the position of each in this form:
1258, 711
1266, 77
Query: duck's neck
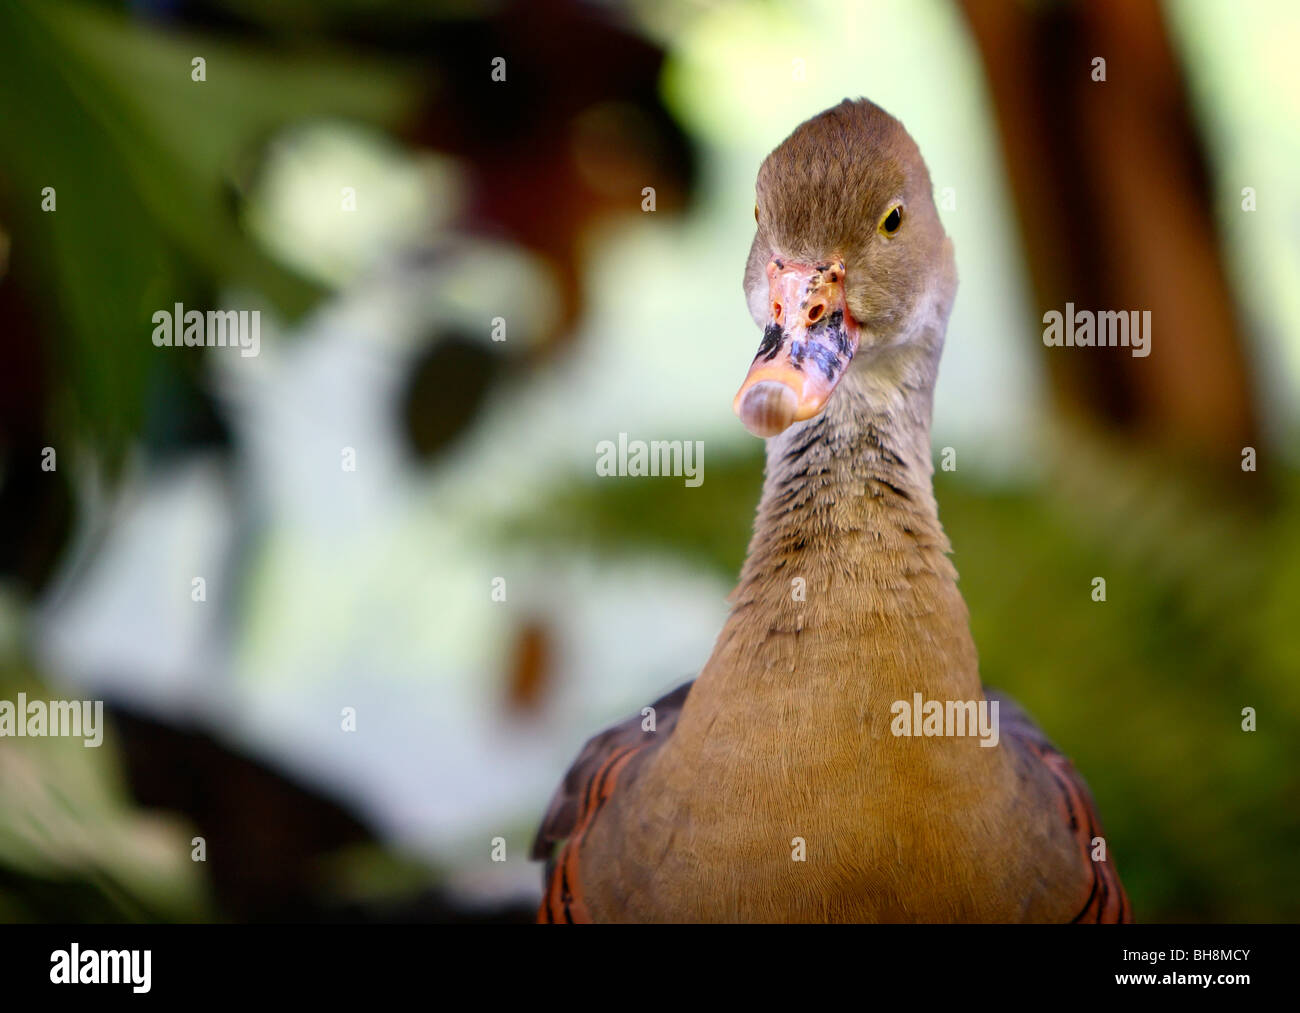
846, 605
847, 596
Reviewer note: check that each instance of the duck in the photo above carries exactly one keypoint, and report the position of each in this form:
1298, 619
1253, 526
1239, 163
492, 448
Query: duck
818, 768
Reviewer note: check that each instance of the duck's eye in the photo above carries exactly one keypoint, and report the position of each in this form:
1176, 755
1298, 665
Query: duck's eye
892, 221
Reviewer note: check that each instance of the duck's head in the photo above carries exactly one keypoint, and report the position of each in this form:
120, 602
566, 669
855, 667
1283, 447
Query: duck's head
849, 260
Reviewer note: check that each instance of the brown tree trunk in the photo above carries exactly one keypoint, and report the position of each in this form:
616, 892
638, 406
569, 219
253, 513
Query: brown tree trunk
1117, 211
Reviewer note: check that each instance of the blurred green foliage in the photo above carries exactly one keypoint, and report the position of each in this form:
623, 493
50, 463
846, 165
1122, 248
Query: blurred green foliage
73, 847
146, 163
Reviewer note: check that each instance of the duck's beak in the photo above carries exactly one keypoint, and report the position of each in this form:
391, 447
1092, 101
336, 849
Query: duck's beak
807, 345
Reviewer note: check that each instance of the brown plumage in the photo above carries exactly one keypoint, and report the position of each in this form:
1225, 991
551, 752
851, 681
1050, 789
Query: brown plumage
789, 743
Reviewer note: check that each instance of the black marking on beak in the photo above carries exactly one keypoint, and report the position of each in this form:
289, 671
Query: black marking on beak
771, 344
826, 358
826, 343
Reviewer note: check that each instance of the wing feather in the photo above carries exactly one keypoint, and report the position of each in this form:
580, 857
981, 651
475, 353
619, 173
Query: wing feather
1106, 902
589, 782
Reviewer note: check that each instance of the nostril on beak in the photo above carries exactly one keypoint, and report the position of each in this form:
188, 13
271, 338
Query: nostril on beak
776, 312
815, 313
